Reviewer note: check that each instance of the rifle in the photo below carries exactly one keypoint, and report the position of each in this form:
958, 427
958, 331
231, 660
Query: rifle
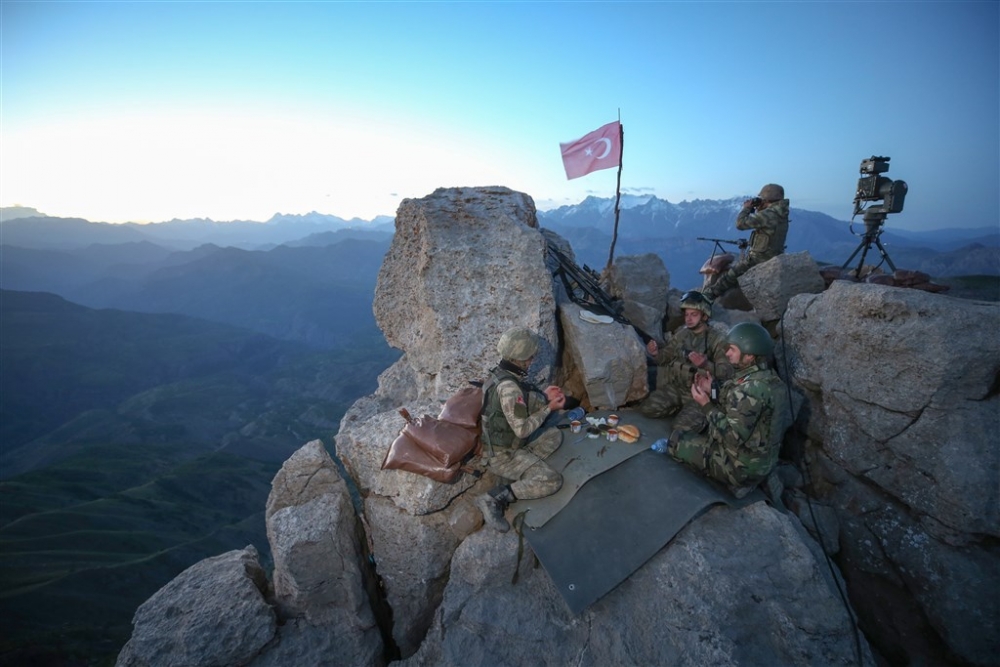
739, 243
584, 288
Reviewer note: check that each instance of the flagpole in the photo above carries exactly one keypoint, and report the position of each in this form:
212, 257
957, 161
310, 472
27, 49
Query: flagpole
618, 189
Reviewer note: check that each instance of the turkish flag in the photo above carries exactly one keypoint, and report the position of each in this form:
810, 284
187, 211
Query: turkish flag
601, 149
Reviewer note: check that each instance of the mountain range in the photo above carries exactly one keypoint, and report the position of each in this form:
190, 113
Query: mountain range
645, 224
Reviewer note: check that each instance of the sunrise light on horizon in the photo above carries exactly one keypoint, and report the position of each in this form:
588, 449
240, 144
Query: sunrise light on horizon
133, 111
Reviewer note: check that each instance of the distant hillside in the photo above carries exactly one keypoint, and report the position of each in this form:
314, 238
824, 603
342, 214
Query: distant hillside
60, 359
134, 446
320, 295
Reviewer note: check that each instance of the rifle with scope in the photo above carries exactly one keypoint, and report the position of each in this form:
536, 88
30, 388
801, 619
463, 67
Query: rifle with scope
583, 286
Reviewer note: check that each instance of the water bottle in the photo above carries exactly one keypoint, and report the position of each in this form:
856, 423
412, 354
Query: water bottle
660, 445
576, 414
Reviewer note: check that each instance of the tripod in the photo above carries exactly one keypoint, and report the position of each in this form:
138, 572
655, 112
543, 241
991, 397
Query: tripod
874, 220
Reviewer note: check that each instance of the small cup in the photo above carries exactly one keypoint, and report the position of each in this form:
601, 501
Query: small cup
612, 420
575, 426
612, 434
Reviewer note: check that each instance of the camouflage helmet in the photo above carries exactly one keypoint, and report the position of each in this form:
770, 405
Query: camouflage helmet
772, 192
695, 300
517, 344
751, 338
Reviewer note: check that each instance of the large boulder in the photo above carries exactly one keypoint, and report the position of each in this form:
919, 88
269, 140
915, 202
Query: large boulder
770, 285
213, 613
902, 398
605, 362
465, 264
320, 585
642, 283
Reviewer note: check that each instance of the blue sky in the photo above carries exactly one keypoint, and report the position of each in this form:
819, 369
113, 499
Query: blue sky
148, 111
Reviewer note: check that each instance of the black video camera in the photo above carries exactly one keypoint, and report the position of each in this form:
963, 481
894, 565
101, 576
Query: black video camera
756, 202
872, 187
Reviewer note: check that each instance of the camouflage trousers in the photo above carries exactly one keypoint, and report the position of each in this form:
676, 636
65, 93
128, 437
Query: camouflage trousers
530, 476
697, 451
729, 279
672, 393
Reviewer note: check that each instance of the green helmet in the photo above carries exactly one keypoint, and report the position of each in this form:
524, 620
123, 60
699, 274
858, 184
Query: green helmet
517, 344
772, 192
695, 300
751, 338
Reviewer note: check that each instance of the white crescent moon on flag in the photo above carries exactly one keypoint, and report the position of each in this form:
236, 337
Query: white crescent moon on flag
607, 147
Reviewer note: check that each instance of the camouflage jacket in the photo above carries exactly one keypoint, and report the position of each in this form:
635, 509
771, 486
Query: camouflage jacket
513, 408
711, 343
770, 227
739, 425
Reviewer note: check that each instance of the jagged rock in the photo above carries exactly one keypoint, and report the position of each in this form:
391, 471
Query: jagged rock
769, 285
606, 362
413, 559
213, 613
465, 264
642, 283
736, 587
902, 392
318, 577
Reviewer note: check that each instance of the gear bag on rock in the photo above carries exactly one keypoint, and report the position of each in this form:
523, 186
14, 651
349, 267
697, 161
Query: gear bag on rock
437, 447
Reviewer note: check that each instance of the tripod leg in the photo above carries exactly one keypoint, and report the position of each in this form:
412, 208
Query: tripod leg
885, 255
867, 245
856, 251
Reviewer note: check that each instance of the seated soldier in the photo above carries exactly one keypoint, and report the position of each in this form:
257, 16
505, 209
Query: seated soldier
735, 446
515, 432
696, 346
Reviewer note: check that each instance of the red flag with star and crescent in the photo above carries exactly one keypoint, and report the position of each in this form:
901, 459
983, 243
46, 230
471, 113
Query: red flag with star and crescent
600, 149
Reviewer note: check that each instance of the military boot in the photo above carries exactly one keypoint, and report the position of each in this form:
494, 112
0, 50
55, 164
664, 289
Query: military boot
493, 505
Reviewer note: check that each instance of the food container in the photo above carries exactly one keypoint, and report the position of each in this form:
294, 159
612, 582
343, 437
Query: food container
612, 434
612, 420
575, 426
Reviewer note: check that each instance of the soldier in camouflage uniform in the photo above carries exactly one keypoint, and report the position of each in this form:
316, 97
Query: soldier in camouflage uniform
696, 346
767, 216
736, 447
515, 444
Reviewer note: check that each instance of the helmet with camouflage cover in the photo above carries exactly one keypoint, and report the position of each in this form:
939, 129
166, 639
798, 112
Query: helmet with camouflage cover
772, 192
751, 338
517, 344
695, 300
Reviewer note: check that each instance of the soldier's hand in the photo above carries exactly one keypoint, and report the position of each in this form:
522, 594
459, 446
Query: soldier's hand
697, 358
704, 381
698, 394
555, 396
652, 347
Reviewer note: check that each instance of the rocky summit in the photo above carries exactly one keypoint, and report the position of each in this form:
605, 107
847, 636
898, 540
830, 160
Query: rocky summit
881, 548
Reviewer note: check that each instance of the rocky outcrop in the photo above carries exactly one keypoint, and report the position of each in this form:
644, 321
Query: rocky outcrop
903, 404
769, 286
895, 417
213, 613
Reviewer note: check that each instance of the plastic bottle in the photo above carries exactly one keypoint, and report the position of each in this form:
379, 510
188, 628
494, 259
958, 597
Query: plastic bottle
576, 414
660, 445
